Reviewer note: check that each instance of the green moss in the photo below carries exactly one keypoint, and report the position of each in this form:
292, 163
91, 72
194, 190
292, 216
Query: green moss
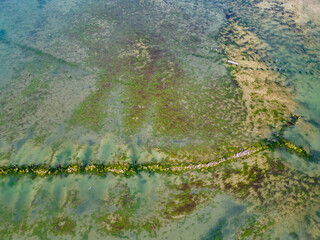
183, 203
34, 86
91, 112
119, 224
5, 155
39, 139
151, 225
46, 56
255, 229
63, 225
40, 229
294, 235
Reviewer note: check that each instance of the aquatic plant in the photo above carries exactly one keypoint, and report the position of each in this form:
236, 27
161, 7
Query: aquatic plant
127, 169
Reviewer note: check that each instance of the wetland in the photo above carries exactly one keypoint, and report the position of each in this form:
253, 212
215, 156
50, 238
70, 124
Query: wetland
122, 119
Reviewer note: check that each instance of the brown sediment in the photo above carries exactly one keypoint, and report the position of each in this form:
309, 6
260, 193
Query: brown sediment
304, 10
267, 101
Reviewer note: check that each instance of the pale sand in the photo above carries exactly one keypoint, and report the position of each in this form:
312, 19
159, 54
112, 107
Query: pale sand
261, 89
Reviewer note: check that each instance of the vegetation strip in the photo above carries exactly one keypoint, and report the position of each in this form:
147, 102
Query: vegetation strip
130, 169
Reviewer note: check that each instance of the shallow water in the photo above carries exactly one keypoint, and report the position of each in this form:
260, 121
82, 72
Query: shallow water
86, 199
55, 49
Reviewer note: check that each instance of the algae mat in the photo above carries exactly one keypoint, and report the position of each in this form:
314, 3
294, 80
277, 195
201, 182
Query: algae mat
123, 120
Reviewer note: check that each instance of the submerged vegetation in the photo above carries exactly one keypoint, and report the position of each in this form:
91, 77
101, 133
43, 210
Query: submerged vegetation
149, 102
166, 167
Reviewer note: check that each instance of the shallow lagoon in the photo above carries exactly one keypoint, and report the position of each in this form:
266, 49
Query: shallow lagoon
82, 201
55, 52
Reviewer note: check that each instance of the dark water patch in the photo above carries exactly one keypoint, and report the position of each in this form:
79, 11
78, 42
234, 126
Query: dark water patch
293, 236
87, 156
297, 137
229, 14
3, 34
64, 156
313, 122
139, 141
41, 3
315, 156
307, 167
13, 181
22, 141
216, 232
226, 225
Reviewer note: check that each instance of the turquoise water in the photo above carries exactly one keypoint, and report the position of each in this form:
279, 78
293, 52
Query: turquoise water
50, 41
31, 207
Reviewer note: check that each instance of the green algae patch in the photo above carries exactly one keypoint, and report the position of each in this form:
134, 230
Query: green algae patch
34, 86
92, 112
184, 203
154, 81
63, 225
255, 229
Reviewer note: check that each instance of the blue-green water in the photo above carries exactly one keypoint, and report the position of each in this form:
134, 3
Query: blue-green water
53, 47
32, 207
